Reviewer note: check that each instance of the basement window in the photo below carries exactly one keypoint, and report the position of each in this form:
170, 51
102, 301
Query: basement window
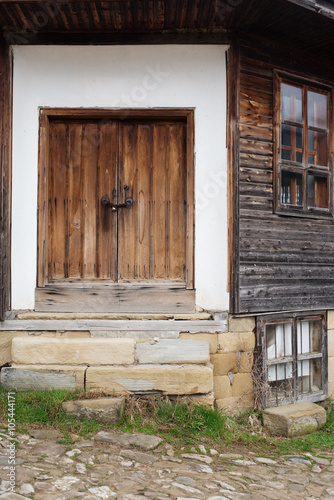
303, 156
292, 365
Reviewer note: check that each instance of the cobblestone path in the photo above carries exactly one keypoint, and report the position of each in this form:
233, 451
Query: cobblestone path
106, 470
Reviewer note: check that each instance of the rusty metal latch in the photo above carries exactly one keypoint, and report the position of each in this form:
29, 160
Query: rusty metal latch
106, 201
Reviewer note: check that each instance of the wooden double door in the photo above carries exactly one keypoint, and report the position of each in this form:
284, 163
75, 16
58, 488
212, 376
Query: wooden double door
114, 214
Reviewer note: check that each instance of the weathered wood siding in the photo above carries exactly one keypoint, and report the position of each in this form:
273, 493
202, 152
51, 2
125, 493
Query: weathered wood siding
281, 262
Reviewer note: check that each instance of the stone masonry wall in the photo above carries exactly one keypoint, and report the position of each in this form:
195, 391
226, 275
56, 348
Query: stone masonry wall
330, 338
231, 358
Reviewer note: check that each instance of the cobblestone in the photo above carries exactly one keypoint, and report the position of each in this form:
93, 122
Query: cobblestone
117, 470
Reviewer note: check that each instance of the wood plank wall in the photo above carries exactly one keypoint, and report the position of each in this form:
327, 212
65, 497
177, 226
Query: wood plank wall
5, 167
281, 262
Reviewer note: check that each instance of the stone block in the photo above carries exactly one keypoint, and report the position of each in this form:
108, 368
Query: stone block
330, 339
167, 379
331, 376
242, 384
245, 362
77, 351
241, 324
200, 400
235, 404
222, 387
207, 337
224, 363
29, 377
177, 351
104, 410
294, 420
330, 320
237, 341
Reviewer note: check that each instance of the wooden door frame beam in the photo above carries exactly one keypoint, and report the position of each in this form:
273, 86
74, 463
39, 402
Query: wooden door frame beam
46, 114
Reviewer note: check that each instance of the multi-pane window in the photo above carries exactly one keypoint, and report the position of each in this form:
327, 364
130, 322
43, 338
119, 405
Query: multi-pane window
304, 149
293, 361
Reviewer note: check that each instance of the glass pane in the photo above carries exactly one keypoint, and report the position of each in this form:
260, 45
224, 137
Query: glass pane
309, 376
279, 340
291, 103
292, 141
291, 188
317, 192
303, 337
286, 154
280, 383
317, 147
316, 110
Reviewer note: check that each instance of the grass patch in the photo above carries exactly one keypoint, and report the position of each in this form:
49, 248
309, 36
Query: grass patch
183, 425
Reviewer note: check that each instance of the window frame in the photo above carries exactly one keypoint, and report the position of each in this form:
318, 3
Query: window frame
296, 167
261, 362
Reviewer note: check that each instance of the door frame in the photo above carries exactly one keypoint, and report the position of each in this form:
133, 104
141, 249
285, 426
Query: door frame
47, 114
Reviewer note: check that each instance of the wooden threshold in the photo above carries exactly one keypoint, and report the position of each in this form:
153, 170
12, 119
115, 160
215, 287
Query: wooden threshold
35, 315
118, 299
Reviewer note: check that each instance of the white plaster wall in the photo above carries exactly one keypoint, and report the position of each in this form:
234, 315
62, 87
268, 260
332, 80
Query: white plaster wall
124, 76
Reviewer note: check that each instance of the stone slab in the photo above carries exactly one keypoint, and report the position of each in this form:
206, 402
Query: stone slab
168, 379
12, 496
104, 410
134, 334
139, 456
294, 420
207, 337
76, 351
177, 351
29, 377
142, 441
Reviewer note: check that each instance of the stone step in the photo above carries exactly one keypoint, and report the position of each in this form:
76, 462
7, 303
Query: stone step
106, 351
294, 420
134, 379
170, 325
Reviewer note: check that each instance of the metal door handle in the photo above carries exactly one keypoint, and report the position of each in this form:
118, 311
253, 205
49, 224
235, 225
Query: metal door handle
106, 201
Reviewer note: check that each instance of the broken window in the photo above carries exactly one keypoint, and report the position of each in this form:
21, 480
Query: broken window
303, 164
293, 361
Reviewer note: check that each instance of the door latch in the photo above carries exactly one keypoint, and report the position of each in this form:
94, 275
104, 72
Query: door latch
114, 207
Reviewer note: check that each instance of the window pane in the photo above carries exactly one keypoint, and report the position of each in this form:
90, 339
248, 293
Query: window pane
292, 141
317, 192
291, 188
317, 147
316, 110
309, 376
279, 340
291, 103
280, 383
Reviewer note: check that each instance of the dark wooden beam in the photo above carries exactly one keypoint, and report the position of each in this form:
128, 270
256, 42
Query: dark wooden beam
5, 167
186, 37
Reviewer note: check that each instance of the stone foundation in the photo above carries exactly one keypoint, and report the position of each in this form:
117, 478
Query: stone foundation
203, 366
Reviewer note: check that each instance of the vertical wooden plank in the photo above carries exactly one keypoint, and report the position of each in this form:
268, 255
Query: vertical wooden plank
127, 220
106, 220
42, 215
74, 223
6, 175
159, 201
89, 162
57, 200
177, 202
143, 197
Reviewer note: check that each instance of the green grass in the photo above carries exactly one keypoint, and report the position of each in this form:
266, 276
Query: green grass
184, 425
